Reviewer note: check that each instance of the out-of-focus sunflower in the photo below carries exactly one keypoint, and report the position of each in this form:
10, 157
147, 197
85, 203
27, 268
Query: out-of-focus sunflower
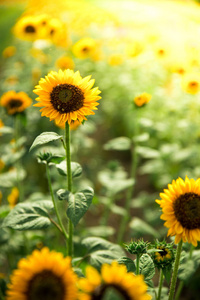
86, 48
113, 277
15, 102
65, 62
191, 83
13, 197
115, 59
66, 97
9, 51
180, 204
57, 32
43, 275
142, 99
26, 28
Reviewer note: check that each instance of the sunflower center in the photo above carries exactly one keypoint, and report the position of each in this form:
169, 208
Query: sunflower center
67, 98
117, 292
46, 285
164, 252
30, 29
14, 103
187, 210
193, 84
85, 49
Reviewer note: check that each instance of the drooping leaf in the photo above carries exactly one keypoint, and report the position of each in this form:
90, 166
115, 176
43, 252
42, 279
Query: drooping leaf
128, 262
188, 266
76, 169
63, 194
101, 251
120, 143
29, 216
45, 138
147, 267
140, 227
167, 272
78, 204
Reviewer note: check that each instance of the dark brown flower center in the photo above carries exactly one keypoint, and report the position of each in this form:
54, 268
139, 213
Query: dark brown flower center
85, 49
67, 98
111, 291
187, 210
14, 103
164, 252
193, 84
46, 285
30, 29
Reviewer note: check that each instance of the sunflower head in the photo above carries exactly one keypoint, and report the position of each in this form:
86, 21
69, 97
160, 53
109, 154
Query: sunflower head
43, 275
66, 97
85, 48
191, 83
142, 99
15, 102
26, 28
165, 256
137, 247
180, 205
112, 279
9, 51
64, 62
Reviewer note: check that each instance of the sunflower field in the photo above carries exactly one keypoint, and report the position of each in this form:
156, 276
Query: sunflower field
100, 150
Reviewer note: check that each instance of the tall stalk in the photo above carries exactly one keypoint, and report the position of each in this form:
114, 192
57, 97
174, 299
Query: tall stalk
69, 185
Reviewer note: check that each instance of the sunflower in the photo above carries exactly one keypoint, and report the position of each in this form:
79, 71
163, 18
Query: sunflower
43, 275
15, 102
66, 97
113, 277
26, 28
9, 51
13, 197
165, 256
180, 205
142, 99
85, 48
191, 83
64, 62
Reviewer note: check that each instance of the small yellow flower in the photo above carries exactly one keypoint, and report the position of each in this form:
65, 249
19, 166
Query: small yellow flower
26, 28
66, 97
180, 204
9, 51
115, 276
13, 197
2, 165
142, 99
191, 83
85, 48
43, 275
115, 59
64, 62
15, 102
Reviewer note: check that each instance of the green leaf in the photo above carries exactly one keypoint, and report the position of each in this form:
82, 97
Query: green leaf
45, 138
102, 231
147, 152
76, 169
147, 267
101, 251
167, 272
63, 194
6, 130
188, 267
10, 179
141, 138
78, 204
128, 262
28, 216
120, 143
140, 227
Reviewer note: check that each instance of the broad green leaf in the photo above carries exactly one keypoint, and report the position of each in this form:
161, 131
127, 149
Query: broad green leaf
10, 179
101, 251
188, 267
49, 158
6, 130
147, 152
141, 138
128, 262
4, 211
76, 168
140, 227
28, 216
147, 267
120, 143
63, 194
45, 138
11, 157
78, 204
102, 231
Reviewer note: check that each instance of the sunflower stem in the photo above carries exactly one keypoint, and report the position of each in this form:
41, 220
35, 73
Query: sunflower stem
18, 163
55, 204
175, 271
138, 264
160, 284
130, 191
69, 183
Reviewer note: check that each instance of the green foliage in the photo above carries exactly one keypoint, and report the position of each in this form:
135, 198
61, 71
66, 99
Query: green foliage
128, 262
101, 251
76, 169
147, 267
120, 144
45, 138
29, 216
78, 204
188, 266
10, 178
140, 227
